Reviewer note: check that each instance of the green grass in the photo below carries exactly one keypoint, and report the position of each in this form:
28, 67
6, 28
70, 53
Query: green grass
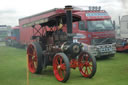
2, 42
112, 71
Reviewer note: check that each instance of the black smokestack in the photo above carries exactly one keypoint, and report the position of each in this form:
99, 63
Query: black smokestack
69, 20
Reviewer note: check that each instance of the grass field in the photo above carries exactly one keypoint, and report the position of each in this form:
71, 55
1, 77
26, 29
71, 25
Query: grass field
112, 71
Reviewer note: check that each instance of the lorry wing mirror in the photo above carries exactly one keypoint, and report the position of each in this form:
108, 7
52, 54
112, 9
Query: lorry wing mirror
114, 24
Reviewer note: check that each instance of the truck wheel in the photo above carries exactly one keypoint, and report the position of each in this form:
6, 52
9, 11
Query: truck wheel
35, 57
61, 67
87, 65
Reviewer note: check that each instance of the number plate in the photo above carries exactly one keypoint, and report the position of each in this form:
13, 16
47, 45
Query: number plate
105, 49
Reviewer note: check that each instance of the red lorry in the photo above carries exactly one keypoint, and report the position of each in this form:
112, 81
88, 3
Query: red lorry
94, 29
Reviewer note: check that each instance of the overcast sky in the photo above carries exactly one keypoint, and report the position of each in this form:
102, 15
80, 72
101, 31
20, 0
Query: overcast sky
12, 10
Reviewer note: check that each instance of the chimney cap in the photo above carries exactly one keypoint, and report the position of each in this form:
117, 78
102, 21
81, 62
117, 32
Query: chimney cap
68, 7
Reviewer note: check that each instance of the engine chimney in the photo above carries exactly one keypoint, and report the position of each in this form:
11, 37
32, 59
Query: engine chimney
69, 20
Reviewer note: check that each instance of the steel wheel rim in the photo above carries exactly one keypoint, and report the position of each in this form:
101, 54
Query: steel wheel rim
59, 68
85, 65
32, 58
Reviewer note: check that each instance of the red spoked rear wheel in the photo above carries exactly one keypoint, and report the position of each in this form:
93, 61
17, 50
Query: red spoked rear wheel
61, 67
87, 65
34, 58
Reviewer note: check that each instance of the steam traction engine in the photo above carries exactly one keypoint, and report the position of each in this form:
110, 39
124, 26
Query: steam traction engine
53, 46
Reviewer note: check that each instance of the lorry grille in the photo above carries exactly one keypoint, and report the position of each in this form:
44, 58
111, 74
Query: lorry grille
103, 41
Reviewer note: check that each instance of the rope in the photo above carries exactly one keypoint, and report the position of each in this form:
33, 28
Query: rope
27, 71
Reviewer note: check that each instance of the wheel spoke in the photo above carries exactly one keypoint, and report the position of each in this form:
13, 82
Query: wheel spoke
57, 62
63, 67
35, 59
81, 62
82, 58
60, 60
35, 64
64, 72
87, 57
34, 52
30, 49
81, 65
90, 65
61, 74
90, 69
29, 54
31, 63
86, 71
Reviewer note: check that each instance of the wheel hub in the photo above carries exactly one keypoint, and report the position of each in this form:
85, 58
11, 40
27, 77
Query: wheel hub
86, 64
58, 66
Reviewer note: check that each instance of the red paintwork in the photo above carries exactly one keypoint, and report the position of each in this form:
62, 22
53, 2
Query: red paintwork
91, 35
73, 63
122, 48
32, 58
59, 67
25, 35
85, 64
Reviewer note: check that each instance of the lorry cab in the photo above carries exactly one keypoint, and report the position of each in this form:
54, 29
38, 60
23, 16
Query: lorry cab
15, 33
13, 37
97, 33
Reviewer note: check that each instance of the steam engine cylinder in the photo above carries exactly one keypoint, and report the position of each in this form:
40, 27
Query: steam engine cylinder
71, 48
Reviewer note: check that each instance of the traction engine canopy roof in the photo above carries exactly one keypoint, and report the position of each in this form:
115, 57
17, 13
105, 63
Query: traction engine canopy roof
48, 18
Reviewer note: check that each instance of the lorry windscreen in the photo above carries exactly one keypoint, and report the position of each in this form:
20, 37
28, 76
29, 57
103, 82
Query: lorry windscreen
99, 25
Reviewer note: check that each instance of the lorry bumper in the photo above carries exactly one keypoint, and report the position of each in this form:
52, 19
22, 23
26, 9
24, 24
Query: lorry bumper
101, 50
